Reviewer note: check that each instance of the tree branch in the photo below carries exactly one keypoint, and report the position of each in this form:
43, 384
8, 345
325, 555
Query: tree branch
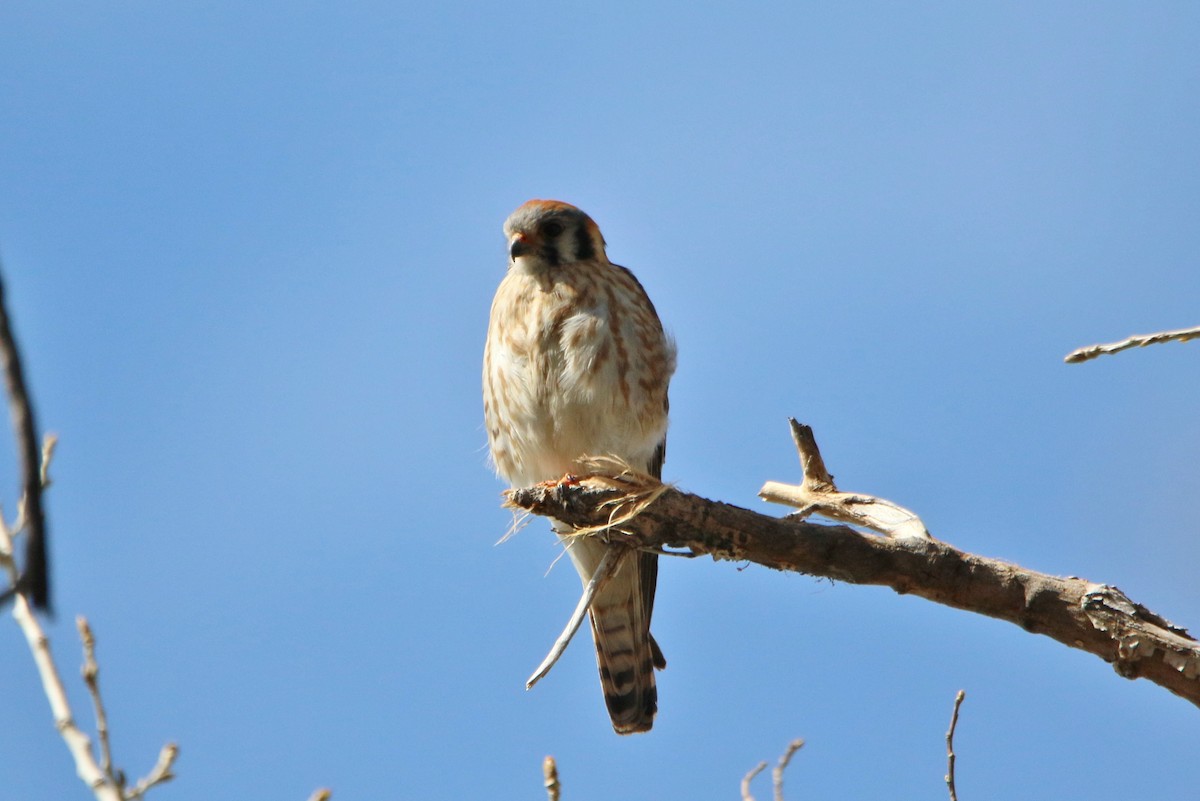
950, 757
776, 774
817, 494
78, 743
1135, 341
30, 590
604, 571
160, 774
749, 777
1097, 618
91, 677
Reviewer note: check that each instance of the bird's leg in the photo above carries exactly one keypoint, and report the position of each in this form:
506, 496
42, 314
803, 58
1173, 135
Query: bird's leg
567, 480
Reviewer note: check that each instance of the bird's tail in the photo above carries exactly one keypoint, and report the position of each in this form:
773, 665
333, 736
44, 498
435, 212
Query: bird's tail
625, 652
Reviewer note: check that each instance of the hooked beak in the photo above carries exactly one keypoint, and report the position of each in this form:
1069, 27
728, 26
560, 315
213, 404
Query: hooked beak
519, 246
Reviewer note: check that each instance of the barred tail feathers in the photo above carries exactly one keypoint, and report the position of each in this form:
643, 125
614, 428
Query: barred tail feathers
626, 654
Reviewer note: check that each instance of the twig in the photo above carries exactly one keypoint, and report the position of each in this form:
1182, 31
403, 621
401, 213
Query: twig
49, 443
91, 678
106, 783
818, 494
777, 773
958, 699
754, 771
162, 772
604, 571
1097, 618
35, 579
1135, 341
77, 742
31, 590
550, 775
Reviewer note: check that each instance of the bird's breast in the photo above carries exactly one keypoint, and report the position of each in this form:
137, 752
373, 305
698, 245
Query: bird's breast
580, 367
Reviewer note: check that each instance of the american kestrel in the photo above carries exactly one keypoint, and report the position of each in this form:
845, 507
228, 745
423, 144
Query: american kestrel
577, 364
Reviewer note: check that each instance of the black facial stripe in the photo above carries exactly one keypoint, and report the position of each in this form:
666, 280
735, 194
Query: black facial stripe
549, 253
584, 249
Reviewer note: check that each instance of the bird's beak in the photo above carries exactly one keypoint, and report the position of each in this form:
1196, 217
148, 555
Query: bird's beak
518, 246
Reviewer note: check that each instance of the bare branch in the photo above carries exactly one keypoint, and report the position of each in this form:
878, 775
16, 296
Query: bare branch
817, 494
49, 443
1097, 618
958, 699
35, 579
1135, 341
550, 774
30, 589
91, 678
77, 742
162, 772
777, 773
106, 783
604, 571
749, 777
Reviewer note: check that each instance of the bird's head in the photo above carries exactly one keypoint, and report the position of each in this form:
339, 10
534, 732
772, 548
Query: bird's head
544, 234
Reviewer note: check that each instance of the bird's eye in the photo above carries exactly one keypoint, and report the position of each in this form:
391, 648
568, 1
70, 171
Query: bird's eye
552, 229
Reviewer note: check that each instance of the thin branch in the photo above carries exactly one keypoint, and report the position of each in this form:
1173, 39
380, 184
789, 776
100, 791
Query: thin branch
30, 589
91, 678
106, 783
1096, 618
1135, 341
49, 443
35, 580
958, 699
777, 773
749, 777
550, 776
604, 571
77, 742
162, 772
817, 494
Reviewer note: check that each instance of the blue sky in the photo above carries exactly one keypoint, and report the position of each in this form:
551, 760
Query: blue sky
250, 253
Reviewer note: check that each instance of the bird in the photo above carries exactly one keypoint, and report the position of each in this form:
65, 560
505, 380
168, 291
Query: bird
576, 365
